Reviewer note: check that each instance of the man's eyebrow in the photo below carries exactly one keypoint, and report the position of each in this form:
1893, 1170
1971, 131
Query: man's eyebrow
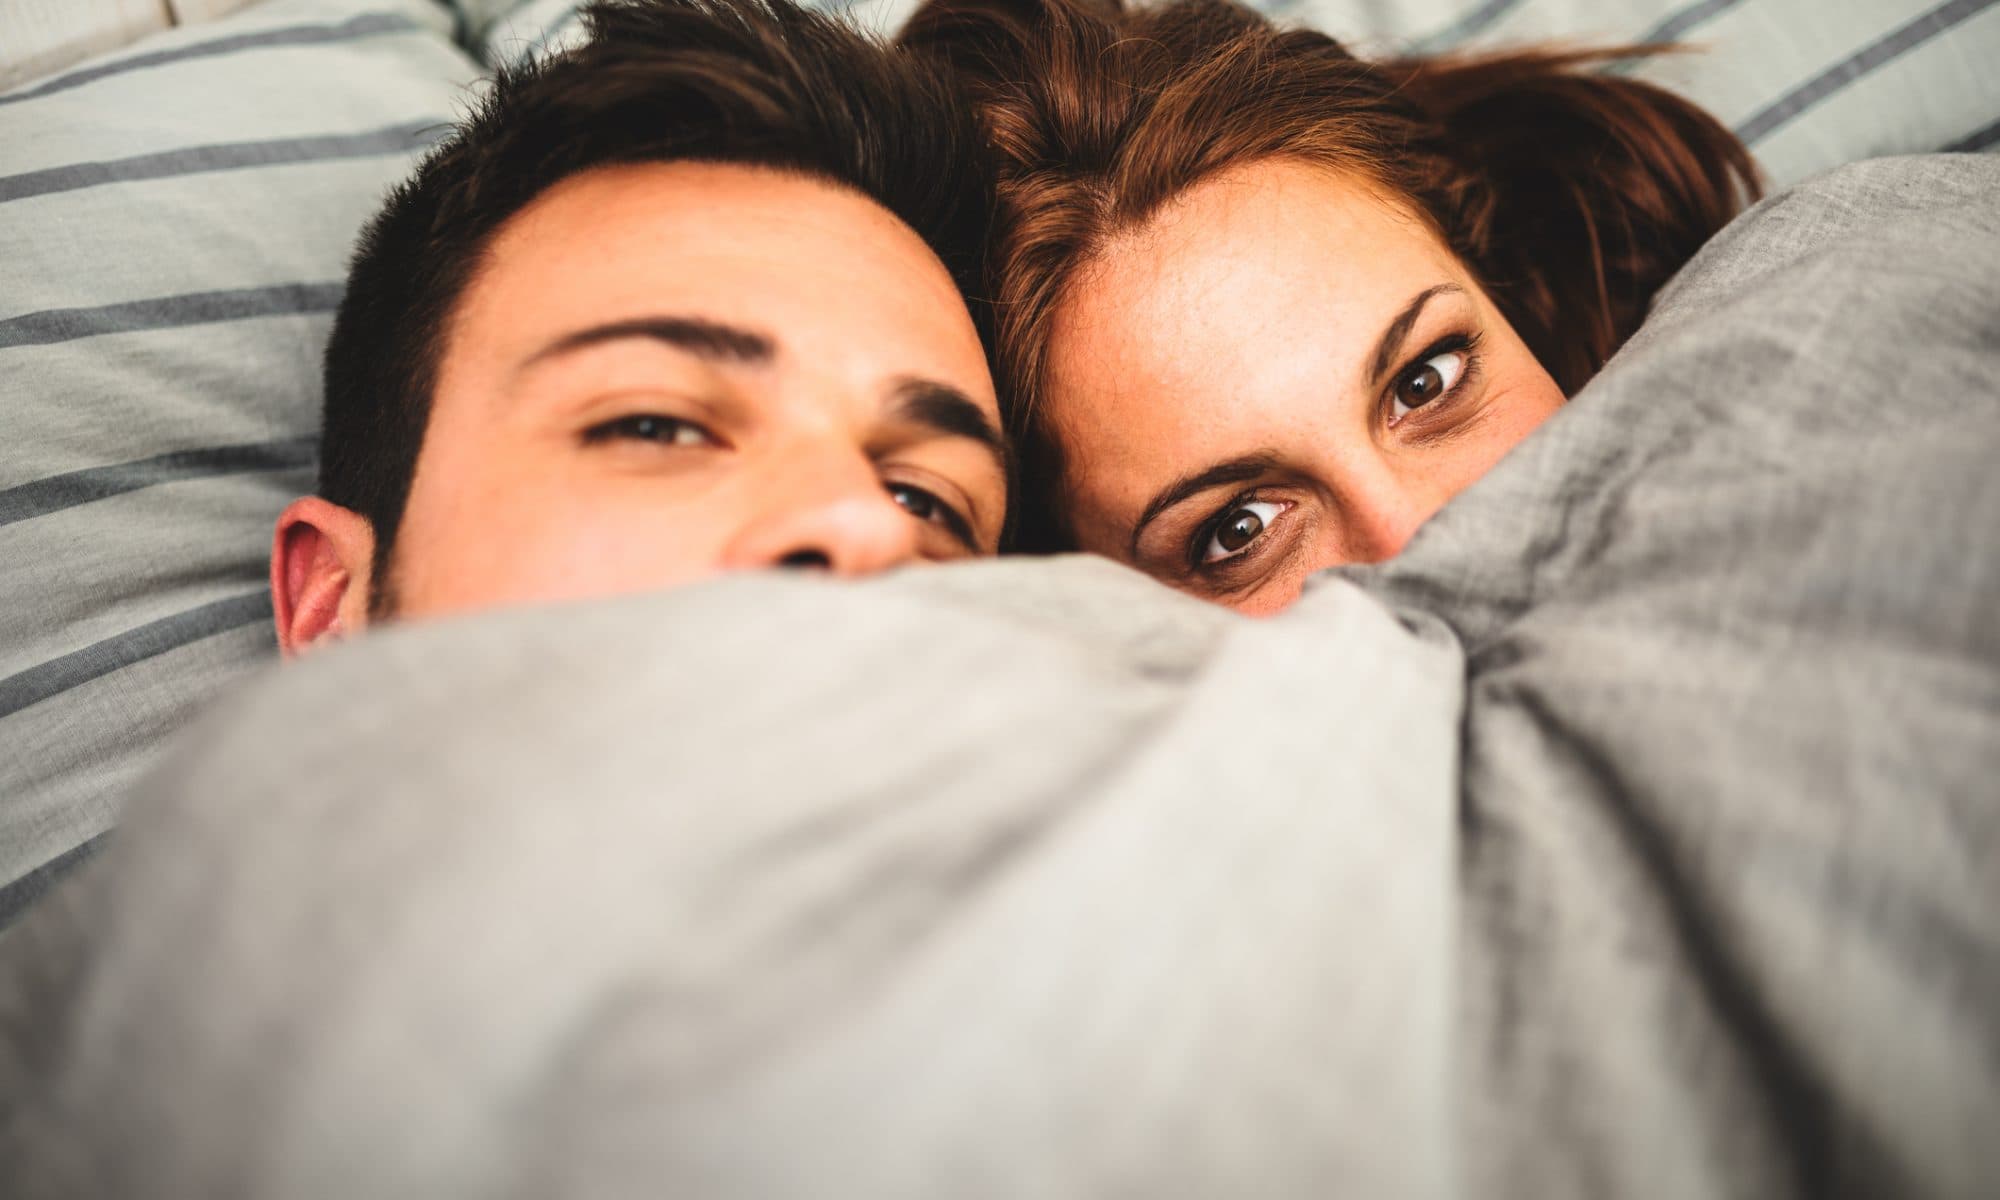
1392, 337
945, 410
1240, 469
696, 335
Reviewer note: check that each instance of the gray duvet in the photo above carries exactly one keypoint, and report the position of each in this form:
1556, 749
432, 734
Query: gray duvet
1636, 833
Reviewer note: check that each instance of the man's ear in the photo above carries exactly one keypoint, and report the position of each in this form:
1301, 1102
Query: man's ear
321, 557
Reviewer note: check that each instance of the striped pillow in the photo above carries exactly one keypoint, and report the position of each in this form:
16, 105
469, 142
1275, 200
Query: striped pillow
175, 222
1809, 84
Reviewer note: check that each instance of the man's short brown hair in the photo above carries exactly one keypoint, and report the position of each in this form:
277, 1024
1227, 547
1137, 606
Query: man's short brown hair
751, 82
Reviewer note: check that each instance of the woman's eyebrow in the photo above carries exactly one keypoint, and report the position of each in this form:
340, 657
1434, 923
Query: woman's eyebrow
1392, 337
1242, 468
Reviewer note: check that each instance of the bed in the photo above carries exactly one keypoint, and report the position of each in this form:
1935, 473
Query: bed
174, 223
1634, 833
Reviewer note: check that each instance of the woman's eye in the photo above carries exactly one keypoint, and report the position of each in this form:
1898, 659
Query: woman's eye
651, 427
1239, 527
1425, 382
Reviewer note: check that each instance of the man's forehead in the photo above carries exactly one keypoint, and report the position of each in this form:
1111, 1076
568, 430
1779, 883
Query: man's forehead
714, 210
819, 272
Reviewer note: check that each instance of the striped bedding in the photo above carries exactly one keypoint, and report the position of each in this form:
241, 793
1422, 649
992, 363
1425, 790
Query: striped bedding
42, 37
1809, 84
174, 225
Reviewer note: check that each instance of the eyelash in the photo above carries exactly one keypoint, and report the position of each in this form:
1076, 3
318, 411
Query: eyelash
950, 518
1466, 344
1456, 343
632, 426
1206, 531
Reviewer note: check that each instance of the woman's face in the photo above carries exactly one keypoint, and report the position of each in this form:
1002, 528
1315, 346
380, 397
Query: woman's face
1280, 372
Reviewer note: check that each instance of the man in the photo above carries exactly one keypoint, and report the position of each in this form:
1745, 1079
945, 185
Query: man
683, 301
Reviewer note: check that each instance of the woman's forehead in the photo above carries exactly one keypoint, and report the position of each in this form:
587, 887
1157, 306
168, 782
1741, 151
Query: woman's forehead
1263, 280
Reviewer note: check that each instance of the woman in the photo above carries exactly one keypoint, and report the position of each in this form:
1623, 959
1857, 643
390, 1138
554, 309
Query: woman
1262, 307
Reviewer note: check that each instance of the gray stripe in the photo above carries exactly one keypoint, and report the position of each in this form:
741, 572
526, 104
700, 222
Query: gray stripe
58, 492
169, 312
365, 25
94, 661
19, 896
1885, 50
1465, 26
1976, 141
223, 156
1678, 23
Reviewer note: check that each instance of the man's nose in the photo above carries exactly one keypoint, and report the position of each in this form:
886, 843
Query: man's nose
825, 507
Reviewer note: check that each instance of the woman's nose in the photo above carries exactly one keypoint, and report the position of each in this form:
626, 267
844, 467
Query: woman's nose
1382, 507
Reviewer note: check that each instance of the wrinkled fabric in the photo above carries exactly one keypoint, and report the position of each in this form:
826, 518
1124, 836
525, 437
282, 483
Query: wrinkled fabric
1632, 834
1732, 752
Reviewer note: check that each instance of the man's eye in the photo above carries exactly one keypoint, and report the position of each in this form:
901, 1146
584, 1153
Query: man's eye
922, 505
926, 507
1241, 525
652, 427
1433, 377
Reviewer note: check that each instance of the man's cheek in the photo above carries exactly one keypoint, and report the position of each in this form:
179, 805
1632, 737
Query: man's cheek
614, 553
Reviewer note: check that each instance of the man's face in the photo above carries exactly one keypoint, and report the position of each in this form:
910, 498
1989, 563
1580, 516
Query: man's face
662, 372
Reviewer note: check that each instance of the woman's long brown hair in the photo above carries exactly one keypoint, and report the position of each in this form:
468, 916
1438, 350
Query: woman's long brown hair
1571, 195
